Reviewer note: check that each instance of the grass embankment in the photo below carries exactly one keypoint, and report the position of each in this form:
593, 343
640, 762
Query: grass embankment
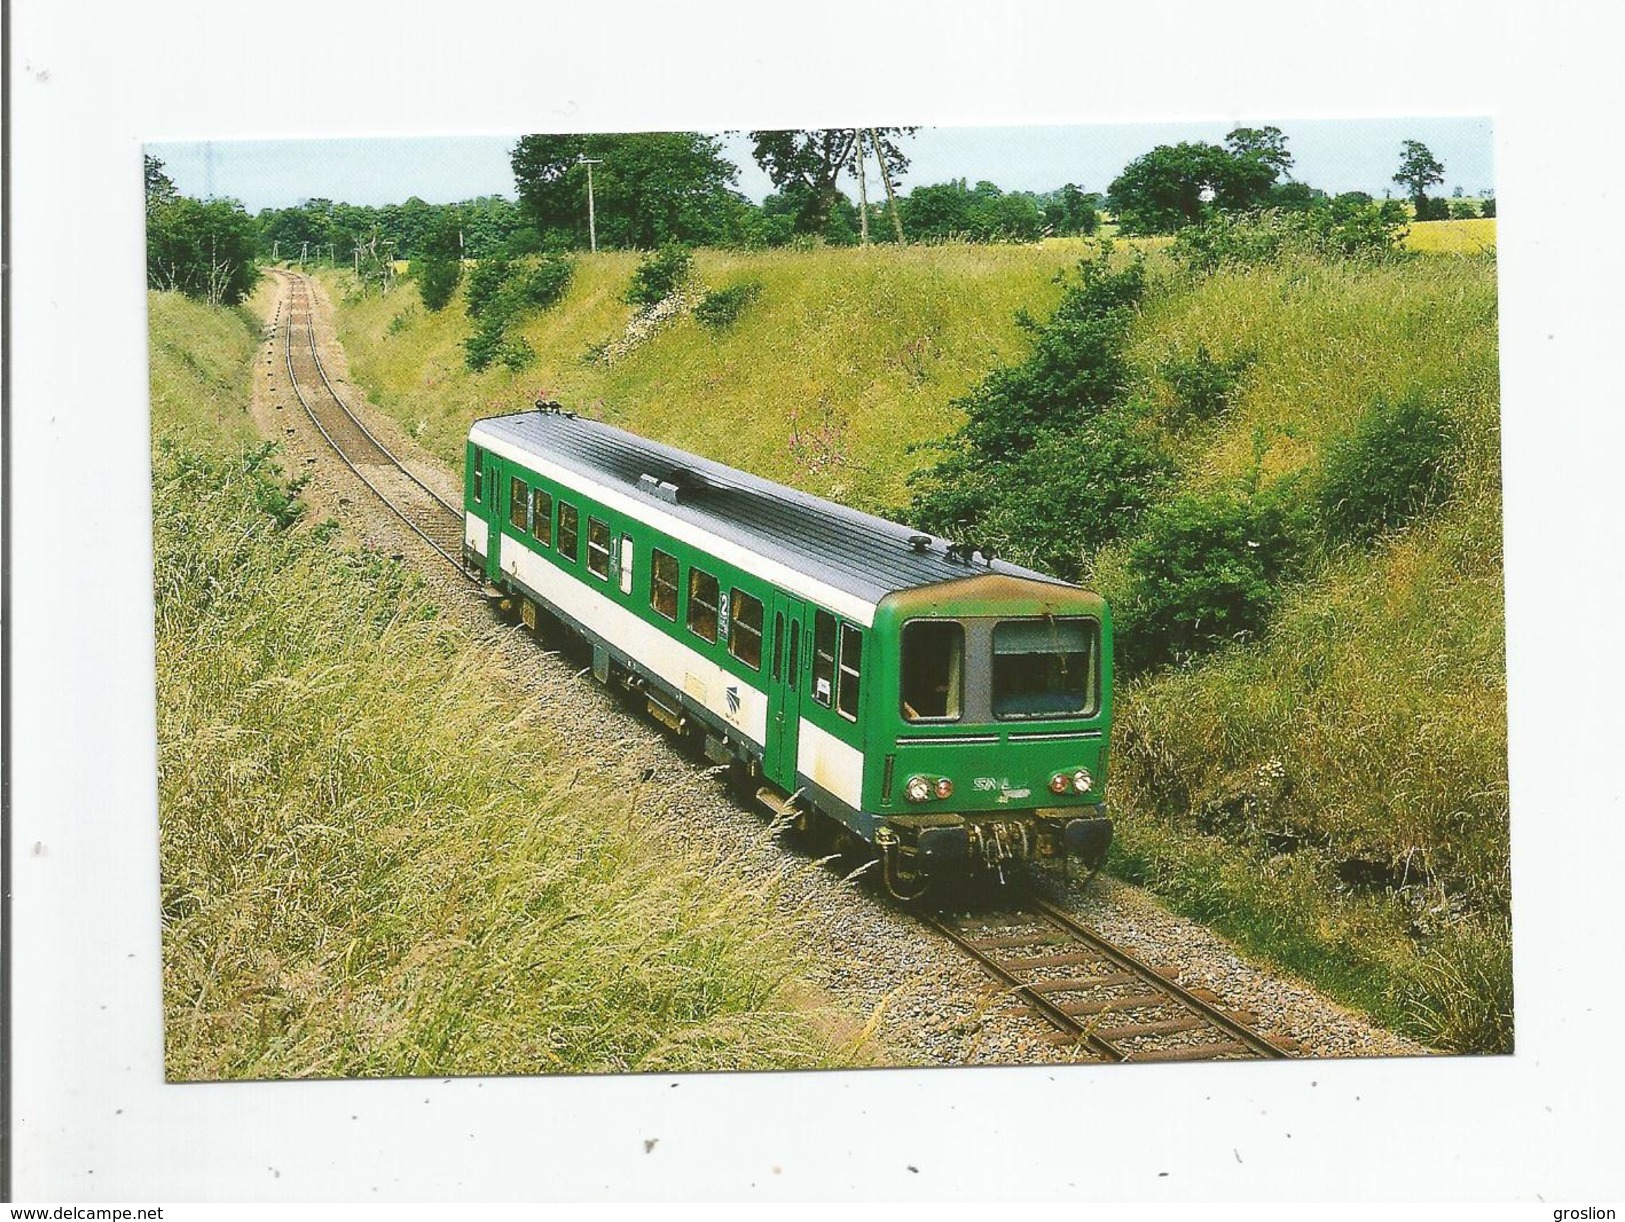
1333, 794
375, 861
846, 359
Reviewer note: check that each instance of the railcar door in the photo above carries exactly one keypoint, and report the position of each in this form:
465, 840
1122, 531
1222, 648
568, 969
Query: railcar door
785, 678
496, 479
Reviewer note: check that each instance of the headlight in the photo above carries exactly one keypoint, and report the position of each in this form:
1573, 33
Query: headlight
1082, 781
918, 789
945, 788
1060, 783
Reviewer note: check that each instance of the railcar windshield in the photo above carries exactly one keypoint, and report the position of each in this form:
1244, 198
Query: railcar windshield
933, 677
1046, 668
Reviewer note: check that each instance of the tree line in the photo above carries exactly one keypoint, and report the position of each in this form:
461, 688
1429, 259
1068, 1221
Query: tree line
653, 189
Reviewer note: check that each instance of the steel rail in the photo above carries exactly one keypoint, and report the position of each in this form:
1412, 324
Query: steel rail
1032, 994
293, 381
1035, 1000
1237, 1031
321, 371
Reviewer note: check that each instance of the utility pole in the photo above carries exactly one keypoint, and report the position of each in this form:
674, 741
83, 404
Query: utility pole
863, 196
885, 177
592, 220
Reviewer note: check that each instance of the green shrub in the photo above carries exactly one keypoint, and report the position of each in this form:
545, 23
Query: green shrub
659, 275
1397, 463
1049, 464
540, 285
721, 308
1207, 569
1075, 490
1201, 385
501, 291
1076, 368
485, 281
1344, 228
485, 345
437, 280
516, 354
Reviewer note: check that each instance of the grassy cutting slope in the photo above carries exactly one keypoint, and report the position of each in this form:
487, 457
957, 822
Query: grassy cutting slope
1333, 795
848, 357
375, 862
1336, 792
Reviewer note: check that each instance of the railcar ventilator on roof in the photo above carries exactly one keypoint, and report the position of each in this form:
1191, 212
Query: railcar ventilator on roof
948, 708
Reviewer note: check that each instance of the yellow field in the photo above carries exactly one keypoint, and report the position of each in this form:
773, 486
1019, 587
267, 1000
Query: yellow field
1452, 237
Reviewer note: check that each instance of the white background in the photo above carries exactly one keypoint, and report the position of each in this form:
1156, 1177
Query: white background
93, 1119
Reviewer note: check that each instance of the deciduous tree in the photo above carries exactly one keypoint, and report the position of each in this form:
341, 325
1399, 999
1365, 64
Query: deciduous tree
205, 250
650, 189
439, 265
1419, 169
810, 163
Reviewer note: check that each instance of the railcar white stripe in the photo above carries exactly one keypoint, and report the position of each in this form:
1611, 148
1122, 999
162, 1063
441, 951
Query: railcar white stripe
828, 762
849, 605
681, 666
476, 533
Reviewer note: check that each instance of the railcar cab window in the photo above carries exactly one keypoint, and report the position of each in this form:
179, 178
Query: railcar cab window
1046, 668
541, 516
933, 678
663, 583
846, 692
597, 547
569, 528
479, 476
823, 668
703, 595
745, 628
518, 503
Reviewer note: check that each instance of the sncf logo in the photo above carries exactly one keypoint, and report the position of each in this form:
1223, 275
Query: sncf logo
733, 699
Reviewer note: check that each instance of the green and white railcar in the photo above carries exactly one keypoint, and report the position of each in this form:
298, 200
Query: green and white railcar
951, 710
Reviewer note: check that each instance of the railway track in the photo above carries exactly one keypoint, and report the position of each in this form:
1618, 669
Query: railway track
1098, 995
432, 519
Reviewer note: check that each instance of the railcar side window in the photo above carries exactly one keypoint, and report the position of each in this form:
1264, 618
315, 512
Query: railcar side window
597, 547
1046, 668
745, 630
569, 527
663, 583
933, 669
479, 476
703, 595
518, 502
541, 516
846, 695
823, 671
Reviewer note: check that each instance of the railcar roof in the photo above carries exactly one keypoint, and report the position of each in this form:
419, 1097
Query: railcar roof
857, 553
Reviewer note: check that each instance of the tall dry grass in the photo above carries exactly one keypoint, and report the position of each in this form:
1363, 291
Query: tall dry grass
375, 860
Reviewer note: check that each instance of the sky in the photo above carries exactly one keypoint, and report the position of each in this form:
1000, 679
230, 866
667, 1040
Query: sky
1333, 154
